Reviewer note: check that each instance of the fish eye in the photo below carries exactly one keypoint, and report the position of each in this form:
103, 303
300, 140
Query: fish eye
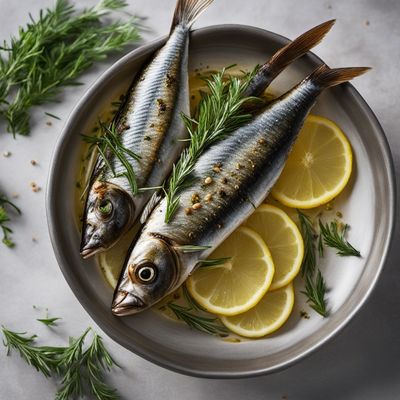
105, 207
146, 273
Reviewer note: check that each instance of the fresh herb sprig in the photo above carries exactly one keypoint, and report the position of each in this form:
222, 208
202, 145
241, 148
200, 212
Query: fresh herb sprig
52, 51
315, 287
5, 218
315, 290
219, 113
49, 321
213, 262
81, 370
109, 142
335, 236
208, 325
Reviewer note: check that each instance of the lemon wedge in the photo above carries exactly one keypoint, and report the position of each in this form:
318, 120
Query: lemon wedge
318, 167
283, 239
270, 313
241, 281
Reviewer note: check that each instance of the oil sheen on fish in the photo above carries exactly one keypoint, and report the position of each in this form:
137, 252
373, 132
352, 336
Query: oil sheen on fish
111, 208
148, 124
243, 169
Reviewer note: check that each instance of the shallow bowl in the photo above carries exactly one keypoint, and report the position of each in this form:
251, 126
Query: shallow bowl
368, 205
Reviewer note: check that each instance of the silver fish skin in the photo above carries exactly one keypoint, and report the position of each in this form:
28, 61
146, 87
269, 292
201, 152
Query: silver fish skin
149, 124
243, 168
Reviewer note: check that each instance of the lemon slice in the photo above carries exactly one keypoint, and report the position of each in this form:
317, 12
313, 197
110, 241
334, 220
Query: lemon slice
240, 282
270, 313
112, 260
318, 167
283, 239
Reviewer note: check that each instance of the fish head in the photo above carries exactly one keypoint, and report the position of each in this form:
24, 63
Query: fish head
108, 215
150, 273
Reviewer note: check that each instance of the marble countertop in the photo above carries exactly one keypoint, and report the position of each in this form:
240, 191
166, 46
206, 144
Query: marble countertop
362, 362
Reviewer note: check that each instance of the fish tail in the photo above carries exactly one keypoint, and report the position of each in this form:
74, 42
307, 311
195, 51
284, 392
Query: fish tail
298, 47
325, 77
187, 11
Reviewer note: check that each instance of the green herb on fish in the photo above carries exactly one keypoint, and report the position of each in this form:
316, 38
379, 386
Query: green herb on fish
315, 290
5, 218
334, 236
109, 141
191, 248
208, 325
190, 300
219, 113
53, 51
52, 116
81, 370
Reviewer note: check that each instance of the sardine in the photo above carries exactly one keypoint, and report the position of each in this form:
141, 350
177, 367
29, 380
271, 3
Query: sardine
111, 208
243, 169
149, 125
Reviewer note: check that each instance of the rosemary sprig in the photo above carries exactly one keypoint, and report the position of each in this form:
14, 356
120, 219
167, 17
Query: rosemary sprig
110, 142
208, 325
334, 236
308, 232
79, 369
5, 218
315, 290
219, 113
52, 52
188, 248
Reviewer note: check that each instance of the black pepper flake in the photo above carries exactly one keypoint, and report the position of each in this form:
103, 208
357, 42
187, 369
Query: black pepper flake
162, 106
304, 314
151, 125
195, 198
170, 80
147, 138
225, 181
222, 193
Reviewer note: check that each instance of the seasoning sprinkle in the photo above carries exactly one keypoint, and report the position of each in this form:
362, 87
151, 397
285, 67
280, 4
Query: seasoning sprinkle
188, 211
196, 206
34, 162
208, 180
208, 197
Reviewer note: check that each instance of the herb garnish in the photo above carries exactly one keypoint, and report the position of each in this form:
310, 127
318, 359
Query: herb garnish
52, 51
213, 262
188, 248
219, 113
315, 289
81, 370
334, 236
4, 218
109, 141
208, 325
49, 321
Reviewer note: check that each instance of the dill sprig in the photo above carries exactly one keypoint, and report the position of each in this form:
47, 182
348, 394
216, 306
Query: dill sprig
208, 325
52, 51
308, 232
334, 236
315, 290
81, 370
5, 218
109, 142
219, 113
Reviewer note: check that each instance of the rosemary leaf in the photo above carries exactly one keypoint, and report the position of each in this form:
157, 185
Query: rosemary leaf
213, 262
208, 325
315, 290
190, 300
48, 321
334, 236
188, 248
5, 218
219, 113
52, 51
309, 259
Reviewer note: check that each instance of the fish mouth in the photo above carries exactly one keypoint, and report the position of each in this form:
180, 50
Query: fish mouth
87, 252
125, 303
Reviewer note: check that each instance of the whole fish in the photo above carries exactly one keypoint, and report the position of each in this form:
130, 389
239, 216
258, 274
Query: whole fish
111, 207
243, 168
150, 127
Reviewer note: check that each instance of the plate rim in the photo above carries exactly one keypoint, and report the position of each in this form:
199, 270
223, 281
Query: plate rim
86, 302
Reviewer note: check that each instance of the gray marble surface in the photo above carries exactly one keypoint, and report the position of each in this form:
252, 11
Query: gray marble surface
362, 362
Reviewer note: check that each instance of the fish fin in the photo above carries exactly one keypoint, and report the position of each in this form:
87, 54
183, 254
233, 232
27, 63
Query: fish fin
187, 11
325, 77
298, 47
285, 56
154, 200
